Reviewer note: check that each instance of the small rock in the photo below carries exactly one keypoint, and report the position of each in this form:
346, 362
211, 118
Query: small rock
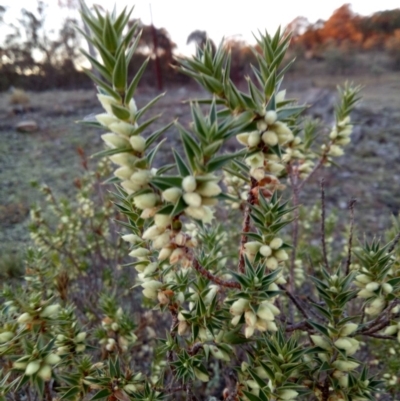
27, 126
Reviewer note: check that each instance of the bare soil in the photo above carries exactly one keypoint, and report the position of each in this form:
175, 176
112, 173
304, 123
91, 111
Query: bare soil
370, 169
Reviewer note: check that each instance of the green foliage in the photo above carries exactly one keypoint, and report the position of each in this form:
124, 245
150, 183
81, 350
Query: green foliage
214, 305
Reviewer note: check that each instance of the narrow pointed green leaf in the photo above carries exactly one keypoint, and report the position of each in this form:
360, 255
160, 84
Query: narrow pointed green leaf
133, 85
120, 73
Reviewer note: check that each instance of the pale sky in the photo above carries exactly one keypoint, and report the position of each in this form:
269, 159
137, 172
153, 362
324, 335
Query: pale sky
218, 17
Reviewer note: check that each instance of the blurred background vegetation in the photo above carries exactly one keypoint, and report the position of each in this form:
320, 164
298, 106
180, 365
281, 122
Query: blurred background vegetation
35, 58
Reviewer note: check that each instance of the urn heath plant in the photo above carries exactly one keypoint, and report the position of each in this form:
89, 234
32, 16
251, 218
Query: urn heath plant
242, 304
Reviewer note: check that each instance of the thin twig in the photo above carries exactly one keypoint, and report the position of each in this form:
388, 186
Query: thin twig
303, 326
174, 324
323, 241
295, 301
320, 162
382, 337
350, 243
246, 224
213, 278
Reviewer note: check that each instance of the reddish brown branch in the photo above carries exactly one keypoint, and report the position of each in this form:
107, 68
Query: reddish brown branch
295, 301
213, 278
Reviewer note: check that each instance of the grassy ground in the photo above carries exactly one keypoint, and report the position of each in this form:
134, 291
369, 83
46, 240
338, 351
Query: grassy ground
371, 168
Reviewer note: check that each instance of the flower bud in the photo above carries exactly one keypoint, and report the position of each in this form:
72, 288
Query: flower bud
180, 239
189, 184
270, 138
107, 101
343, 343
281, 255
24, 318
261, 125
172, 194
256, 160
20, 365
165, 253
152, 232
257, 173
132, 238
162, 220
265, 313
145, 201
122, 128
124, 173
265, 251
114, 140
239, 306
287, 394
32, 368
391, 330
161, 241
365, 294
345, 366
372, 286
321, 342
138, 143
192, 199
243, 138
80, 337
270, 117
139, 253
250, 318
276, 243
45, 372
106, 119
176, 255
254, 139
335, 151
208, 189
347, 329
249, 331
235, 320
123, 159
130, 388
271, 326
271, 263
375, 307
52, 359
201, 375
387, 288
6, 336
50, 311
252, 246
141, 178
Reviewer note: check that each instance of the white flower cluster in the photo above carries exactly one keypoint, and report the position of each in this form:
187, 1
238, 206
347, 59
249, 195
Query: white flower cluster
271, 250
340, 136
372, 289
70, 344
260, 317
41, 367
282, 394
38, 313
270, 132
236, 187
184, 327
115, 339
198, 193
